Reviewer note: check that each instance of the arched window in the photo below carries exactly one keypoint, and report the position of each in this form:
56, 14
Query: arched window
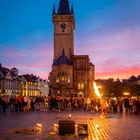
57, 80
80, 85
69, 80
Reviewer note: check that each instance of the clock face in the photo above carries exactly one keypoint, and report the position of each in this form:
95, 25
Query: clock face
63, 26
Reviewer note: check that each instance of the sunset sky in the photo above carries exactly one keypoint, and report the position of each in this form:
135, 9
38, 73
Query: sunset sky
107, 30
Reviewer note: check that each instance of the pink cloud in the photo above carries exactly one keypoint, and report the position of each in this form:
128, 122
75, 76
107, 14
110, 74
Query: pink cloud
110, 40
37, 60
114, 53
120, 72
42, 49
42, 74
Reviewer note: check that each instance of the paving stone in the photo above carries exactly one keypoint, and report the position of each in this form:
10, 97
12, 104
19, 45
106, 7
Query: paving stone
111, 127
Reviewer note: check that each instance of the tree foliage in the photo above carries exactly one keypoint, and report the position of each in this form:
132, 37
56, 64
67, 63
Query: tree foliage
116, 88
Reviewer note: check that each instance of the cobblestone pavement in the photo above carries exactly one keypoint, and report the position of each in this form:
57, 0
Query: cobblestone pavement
111, 127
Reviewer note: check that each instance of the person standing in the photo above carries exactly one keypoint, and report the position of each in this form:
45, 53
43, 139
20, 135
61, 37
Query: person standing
0, 104
4, 104
120, 103
25, 103
88, 104
103, 107
126, 104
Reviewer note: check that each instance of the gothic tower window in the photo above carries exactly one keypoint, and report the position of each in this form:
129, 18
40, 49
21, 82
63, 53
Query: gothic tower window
80, 85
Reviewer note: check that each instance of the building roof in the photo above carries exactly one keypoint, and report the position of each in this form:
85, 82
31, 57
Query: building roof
6, 73
64, 8
62, 59
81, 56
30, 77
3, 71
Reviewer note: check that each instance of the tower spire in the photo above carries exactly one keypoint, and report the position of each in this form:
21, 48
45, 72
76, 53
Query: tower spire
62, 59
72, 11
64, 8
54, 10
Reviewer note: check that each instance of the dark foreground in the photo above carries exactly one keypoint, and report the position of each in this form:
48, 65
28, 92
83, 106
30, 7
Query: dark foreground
111, 127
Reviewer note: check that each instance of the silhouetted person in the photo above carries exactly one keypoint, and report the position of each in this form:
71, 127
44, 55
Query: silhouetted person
126, 104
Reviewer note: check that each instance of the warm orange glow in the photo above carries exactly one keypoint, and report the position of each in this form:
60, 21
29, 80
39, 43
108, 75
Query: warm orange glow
96, 108
123, 73
69, 116
107, 104
56, 125
55, 128
97, 126
99, 87
39, 125
126, 94
97, 91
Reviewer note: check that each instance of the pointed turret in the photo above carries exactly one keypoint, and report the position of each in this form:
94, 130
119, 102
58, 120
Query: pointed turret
62, 59
54, 10
72, 11
64, 8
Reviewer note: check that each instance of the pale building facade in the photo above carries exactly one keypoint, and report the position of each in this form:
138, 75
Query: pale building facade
32, 85
27, 85
9, 81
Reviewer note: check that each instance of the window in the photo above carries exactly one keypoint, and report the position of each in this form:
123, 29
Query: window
69, 80
63, 78
80, 85
57, 80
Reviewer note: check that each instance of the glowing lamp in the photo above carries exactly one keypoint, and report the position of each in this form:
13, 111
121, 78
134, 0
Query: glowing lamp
126, 94
69, 116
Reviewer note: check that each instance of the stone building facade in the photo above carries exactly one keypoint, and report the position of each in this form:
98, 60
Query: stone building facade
71, 75
27, 85
9, 81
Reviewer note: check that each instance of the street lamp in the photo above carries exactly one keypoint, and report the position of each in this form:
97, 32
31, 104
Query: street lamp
126, 93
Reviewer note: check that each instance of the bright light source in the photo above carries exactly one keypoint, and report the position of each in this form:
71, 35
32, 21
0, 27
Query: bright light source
126, 94
96, 108
56, 125
107, 104
115, 98
97, 91
97, 126
69, 116
39, 125
55, 128
99, 87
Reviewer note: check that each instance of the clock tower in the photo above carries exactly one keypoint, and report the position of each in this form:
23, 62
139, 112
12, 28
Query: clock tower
64, 26
71, 75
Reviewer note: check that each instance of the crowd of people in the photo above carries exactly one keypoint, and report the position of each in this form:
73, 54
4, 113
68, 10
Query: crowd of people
121, 105
128, 105
42, 103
